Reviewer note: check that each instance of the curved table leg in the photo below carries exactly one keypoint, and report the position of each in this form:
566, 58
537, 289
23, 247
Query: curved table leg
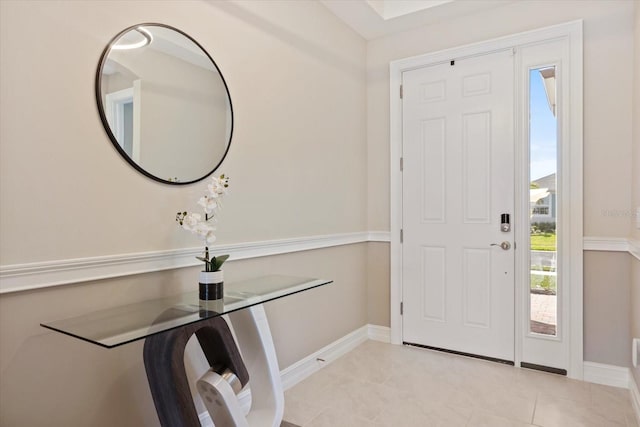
221, 401
164, 364
254, 339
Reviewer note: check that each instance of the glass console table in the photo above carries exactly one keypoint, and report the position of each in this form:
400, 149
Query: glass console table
243, 357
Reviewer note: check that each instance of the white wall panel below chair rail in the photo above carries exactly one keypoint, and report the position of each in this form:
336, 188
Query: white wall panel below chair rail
20, 277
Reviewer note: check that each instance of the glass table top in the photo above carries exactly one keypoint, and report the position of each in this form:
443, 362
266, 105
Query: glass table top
121, 325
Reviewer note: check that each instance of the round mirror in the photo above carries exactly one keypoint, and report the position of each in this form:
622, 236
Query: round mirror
164, 103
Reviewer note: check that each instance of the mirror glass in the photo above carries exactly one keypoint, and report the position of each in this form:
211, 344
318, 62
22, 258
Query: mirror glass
164, 103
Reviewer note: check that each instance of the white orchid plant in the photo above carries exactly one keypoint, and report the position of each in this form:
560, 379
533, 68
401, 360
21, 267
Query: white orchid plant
211, 203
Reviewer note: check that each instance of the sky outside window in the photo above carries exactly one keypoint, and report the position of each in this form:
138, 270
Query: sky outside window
543, 130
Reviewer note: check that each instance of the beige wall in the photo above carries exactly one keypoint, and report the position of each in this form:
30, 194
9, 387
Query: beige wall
608, 42
635, 232
635, 182
297, 80
635, 309
378, 307
607, 308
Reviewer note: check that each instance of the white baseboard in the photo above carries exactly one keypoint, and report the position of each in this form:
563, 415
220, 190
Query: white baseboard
302, 369
599, 373
635, 396
380, 333
311, 364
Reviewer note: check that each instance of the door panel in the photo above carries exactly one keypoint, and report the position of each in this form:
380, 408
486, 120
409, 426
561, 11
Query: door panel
476, 155
458, 178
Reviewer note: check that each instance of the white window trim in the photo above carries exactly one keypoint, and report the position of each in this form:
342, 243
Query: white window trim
572, 166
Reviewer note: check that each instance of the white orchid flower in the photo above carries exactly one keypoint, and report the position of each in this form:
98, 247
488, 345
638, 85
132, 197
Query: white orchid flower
203, 230
218, 186
211, 238
209, 204
191, 220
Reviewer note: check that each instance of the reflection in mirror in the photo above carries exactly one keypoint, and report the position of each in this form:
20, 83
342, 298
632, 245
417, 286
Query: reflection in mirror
164, 103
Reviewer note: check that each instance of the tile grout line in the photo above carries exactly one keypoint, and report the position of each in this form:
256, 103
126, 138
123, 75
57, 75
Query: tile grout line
535, 407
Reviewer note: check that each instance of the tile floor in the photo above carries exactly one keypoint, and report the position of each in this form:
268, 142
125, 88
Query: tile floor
379, 384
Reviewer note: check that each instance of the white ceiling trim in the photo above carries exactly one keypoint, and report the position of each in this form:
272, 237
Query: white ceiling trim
389, 9
367, 18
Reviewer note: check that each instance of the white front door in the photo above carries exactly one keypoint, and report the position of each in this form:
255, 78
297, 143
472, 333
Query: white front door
457, 181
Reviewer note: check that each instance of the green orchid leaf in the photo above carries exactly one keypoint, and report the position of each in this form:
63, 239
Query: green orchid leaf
218, 261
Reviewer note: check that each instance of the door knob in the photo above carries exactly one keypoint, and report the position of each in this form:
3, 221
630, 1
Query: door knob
504, 245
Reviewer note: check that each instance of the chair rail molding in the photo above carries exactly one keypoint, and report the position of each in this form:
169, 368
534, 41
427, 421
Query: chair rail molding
21, 277
634, 248
28, 276
607, 244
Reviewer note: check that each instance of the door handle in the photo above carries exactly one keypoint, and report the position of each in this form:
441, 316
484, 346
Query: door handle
504, 245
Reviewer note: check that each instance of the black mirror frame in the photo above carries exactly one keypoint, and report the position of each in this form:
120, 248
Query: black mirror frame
107, 127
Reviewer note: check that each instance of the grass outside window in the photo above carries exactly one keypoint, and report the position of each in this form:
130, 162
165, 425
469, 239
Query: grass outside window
543, 242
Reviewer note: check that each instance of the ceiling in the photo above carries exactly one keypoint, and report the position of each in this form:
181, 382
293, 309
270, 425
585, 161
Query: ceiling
376, 18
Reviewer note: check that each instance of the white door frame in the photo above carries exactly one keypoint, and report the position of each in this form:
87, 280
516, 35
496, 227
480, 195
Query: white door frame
115, 116
570, 161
